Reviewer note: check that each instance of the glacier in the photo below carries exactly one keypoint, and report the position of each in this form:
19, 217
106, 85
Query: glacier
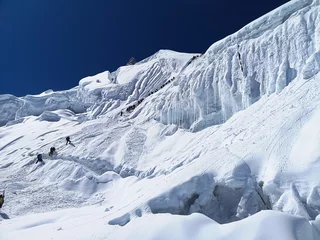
228, 139
260, 59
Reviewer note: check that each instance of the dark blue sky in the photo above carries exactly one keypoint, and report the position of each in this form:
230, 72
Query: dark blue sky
52, 44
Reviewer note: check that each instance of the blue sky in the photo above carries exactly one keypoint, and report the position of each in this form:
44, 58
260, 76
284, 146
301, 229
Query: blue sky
52, 44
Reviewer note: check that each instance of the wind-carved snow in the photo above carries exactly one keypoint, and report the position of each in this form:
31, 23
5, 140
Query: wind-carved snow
9, 105
15, 109
260, 59
312, 66
130, 85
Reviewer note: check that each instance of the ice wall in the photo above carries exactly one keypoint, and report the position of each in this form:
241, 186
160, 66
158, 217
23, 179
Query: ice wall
103, 92
193, 91
130, 85
260, 59
13, 108
9, 105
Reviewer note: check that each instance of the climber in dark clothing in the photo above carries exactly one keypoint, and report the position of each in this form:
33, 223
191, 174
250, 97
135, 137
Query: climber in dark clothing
68, 140
52, 151
39, 158
1, 199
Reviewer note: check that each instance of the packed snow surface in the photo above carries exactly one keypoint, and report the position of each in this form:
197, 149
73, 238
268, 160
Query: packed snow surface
85, 225
223, 144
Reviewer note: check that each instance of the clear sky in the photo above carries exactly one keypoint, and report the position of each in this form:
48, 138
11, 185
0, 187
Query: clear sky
52, 44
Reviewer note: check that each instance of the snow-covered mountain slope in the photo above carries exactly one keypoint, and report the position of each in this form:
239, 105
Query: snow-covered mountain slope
260, 59
102, 93
227, 134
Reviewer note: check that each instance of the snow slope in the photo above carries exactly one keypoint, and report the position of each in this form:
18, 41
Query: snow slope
85, 225
227, 134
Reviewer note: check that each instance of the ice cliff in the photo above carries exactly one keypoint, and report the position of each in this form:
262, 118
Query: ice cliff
196, 91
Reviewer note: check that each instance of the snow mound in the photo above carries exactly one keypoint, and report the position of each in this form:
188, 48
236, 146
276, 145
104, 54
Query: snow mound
49, 116
89, 183
196, 226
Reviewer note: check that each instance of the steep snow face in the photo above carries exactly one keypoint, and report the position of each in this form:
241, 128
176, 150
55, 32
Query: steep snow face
195, 91
260, 59
130, 85
101, 93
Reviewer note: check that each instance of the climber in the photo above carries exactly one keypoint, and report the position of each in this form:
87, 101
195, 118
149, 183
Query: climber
39, 158
68, 140
1, 199
52, 151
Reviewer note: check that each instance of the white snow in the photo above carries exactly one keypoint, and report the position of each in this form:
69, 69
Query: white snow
263, 225
177, 146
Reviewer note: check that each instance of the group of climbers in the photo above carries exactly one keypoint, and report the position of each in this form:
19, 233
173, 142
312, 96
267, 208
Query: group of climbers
132, 107
52, 151
39, 159
193, 58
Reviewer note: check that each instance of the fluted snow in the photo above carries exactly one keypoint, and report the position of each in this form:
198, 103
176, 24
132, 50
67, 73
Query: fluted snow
260, 59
